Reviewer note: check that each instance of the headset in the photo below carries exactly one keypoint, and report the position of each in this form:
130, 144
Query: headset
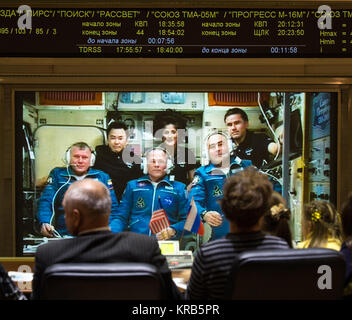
212, 133
169, 164
67, 156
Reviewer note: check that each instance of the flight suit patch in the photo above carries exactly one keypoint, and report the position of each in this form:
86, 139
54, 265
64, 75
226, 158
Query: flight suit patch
110, 185
168, 200
248, 151
195, 181
217, 192
140, 203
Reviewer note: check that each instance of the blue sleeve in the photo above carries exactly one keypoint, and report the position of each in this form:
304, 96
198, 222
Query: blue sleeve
183, 207
119, 218
198, 192
45, 202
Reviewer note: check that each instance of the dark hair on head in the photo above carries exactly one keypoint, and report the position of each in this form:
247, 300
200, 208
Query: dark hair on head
169, 116
276, 220
246, 197
324, 221
236, 111
346, 220
116, 125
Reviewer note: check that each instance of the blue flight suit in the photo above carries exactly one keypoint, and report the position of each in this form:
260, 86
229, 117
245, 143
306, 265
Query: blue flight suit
207, 191
141, 199
58, 182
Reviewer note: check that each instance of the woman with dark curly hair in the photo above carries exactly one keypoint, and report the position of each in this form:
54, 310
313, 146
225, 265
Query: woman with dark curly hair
247, 197
170, 127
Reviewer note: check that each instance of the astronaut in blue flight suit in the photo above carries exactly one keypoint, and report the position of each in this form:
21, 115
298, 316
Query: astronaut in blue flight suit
149, 193
208, 182
79, 159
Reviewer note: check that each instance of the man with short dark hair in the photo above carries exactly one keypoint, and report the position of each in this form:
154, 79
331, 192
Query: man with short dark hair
248, 145
50, 211
117, 159
247, 196
87, 206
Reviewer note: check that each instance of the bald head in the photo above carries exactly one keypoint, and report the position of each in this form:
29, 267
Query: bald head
87, 205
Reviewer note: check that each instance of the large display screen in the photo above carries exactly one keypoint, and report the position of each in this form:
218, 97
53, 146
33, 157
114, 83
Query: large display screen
48, 123
180, 33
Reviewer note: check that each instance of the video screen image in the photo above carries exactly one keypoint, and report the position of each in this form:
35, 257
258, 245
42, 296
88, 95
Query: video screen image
50, 123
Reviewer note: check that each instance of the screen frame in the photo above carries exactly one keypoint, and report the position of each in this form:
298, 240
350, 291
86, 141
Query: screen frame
18, 201
31, 74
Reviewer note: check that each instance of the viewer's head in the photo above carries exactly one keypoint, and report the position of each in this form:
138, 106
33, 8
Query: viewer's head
346, 220
246, 199
320, 222
117, 135
80, 158
169, 126
236, 121
276, 220
87, 205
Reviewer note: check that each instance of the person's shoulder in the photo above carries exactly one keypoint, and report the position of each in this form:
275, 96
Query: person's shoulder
201, 174
216, 246
134, 235
334, 243
199, 170
261, 137
53, 247
137, 239
274, 240
139, 182
99, 173
202, 170
255, 134
57, 171
101, 147
178, 185
102, 152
